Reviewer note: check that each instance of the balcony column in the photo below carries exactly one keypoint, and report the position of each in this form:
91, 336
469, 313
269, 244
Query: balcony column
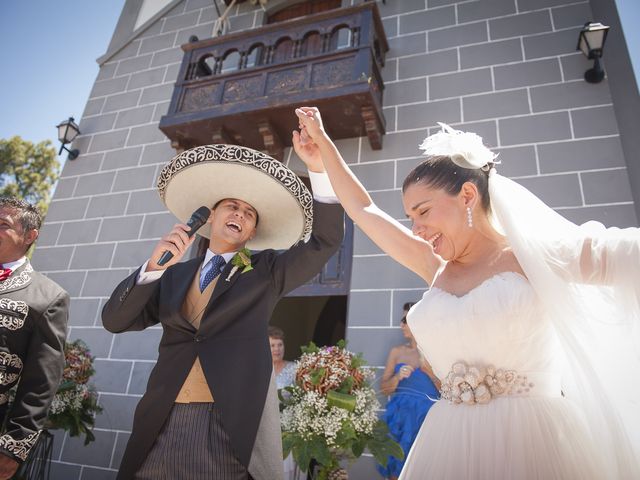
221, 135
326, 41
372, 126
179, 148
269, 54
272, 142
297, 48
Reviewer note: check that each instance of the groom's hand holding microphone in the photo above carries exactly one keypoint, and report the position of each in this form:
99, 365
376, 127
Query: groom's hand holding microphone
170, 249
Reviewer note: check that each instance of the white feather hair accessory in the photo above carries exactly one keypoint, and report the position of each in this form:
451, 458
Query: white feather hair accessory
464, 148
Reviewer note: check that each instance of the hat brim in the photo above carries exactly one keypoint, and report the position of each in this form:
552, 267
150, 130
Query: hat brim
207, 174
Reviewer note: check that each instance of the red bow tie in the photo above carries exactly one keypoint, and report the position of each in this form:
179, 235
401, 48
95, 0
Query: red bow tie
4, 273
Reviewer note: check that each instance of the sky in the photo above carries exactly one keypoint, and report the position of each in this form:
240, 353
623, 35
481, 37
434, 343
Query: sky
48, 52
629, 12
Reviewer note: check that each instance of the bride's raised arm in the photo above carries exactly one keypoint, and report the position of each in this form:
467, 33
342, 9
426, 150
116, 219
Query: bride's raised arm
390, 235
610, 256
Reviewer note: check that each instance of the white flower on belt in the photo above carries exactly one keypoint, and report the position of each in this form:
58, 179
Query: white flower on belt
472, 385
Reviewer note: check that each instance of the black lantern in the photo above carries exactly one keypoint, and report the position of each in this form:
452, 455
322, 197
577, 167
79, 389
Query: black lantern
67, 132
591, 43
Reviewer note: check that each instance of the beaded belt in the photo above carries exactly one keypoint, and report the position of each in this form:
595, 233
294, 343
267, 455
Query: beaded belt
473, 385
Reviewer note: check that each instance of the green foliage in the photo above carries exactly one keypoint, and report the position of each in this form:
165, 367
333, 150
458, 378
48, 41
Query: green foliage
77, 422
28, 170
76, 402
243, 259
347, 385
380, 446
311, 348
341, 400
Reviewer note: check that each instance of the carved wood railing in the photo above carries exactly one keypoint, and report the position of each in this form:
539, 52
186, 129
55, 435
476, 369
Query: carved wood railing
242, 87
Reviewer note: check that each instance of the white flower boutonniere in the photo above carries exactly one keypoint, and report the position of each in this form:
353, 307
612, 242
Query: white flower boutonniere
242, 259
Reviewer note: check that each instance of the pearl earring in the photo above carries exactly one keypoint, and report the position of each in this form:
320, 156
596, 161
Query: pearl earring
469, 218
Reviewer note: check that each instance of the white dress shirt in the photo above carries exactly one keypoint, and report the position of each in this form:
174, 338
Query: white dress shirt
13, 266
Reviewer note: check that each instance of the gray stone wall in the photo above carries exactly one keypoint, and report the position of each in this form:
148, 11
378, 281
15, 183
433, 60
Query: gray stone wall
506, 69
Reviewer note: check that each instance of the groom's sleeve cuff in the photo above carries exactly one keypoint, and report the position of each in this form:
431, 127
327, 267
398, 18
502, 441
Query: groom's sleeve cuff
322, 189
147, 277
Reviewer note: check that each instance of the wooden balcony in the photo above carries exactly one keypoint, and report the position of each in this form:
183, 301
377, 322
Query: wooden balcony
242, 88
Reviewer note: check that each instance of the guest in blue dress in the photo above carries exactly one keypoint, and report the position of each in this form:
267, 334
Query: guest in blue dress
413, 387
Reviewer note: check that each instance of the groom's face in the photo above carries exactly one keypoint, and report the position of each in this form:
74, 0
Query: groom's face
233, 223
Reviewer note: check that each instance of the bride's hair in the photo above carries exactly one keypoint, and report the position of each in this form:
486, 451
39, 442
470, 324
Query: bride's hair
439, 171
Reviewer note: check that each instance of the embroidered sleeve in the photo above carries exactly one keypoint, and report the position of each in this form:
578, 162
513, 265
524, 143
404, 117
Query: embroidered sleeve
39, 370
19, 448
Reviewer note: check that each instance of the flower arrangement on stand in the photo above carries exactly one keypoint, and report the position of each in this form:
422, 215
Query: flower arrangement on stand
76, 402
73, 409
331, 412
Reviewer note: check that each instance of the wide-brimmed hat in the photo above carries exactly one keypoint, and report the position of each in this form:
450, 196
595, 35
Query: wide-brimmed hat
207, 174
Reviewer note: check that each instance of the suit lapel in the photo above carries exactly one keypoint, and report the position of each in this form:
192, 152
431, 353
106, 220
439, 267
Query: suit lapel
223, 284
20, 278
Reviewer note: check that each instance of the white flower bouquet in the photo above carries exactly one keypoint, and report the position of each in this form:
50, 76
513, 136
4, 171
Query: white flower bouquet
76, 401
331, 411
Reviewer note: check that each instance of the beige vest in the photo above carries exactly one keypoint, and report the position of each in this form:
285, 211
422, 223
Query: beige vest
195, 388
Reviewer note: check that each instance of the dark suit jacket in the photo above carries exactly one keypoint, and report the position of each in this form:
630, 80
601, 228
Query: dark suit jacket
33, 326
232, 342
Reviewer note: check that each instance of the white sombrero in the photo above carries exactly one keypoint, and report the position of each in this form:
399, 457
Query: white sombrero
210, 173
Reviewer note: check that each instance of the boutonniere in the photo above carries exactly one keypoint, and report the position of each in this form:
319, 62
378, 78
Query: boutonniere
242, 259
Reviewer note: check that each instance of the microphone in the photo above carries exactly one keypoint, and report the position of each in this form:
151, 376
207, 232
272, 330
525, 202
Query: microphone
198, 218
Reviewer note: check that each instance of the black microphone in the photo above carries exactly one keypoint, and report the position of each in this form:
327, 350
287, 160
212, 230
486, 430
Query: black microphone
198, 218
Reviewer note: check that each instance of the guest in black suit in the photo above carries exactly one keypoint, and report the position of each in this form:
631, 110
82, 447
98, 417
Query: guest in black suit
33, 321
210, 409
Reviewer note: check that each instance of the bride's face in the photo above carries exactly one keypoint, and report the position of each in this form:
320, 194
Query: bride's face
437, 217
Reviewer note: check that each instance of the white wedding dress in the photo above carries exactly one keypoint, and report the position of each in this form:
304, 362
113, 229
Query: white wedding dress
532, 433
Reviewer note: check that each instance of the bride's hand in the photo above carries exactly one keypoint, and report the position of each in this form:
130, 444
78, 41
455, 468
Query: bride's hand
311, 121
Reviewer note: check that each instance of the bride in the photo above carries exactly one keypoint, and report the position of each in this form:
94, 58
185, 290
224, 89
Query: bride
530, 322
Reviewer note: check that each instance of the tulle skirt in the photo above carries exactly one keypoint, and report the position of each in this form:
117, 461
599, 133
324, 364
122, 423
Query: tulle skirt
509, 438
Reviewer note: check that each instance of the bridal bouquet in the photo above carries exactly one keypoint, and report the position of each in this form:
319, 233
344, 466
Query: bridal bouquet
76, 401
331, 412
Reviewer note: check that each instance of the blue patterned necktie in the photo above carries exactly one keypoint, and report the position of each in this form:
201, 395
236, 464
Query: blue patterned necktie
211, 270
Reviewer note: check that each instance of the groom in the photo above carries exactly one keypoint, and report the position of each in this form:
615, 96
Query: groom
210, 409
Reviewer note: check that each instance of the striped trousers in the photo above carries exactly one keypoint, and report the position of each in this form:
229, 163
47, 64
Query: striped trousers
192, 445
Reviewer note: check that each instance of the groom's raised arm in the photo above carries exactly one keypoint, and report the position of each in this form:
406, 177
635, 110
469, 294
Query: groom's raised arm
301, 262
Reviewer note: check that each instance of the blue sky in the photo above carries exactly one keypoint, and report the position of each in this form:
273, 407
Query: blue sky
629, 11
48, 52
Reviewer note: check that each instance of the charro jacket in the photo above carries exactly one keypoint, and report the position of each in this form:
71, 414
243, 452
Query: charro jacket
33, 325
232, 343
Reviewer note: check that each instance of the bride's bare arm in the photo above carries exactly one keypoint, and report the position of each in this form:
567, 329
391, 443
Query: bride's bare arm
389, 234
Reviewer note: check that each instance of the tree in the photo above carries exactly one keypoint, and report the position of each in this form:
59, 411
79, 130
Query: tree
28, 170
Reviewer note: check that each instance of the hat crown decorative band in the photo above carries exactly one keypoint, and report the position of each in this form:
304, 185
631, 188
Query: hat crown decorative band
210, 173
